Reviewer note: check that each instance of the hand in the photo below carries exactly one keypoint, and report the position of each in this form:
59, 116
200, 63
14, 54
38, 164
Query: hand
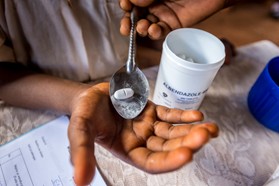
149, 142
161, 17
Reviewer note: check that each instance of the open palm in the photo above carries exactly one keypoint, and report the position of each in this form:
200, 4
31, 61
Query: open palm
149, 142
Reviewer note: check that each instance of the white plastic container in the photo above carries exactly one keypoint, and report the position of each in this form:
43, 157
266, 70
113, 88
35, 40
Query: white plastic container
181, 83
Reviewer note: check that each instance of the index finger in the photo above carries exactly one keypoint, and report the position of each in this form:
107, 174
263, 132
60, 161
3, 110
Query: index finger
177, 115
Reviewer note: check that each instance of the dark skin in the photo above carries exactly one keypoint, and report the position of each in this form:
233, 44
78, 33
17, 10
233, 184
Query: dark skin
161, 17
154, 145
149, 142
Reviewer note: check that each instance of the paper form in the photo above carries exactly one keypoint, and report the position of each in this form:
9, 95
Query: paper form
40, 158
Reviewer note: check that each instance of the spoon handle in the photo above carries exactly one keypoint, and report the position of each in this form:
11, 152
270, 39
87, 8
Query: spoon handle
131, 64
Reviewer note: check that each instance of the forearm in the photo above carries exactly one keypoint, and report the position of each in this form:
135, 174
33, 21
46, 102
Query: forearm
24, 88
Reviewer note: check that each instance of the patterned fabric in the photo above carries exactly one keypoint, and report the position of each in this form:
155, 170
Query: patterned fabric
274, 179
245, 153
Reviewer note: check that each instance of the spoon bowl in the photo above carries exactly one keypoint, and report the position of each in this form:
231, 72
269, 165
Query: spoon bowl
130, 76
131, 107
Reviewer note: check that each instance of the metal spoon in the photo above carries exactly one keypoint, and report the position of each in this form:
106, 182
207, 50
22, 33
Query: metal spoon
131, 77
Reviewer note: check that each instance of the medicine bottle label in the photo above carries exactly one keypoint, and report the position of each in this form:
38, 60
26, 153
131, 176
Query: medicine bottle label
169, 96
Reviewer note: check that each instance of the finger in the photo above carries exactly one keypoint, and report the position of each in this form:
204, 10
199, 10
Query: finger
159, 162
125, 25
155, 31
169, 131
166, 15
158, 30
211, 127
165, 28
177, 115
194, 140
152, 18
84, 166
82, 151
142, 27
125, 5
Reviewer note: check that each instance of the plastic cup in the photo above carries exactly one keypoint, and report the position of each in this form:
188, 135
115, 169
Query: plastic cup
263, 97
190, 61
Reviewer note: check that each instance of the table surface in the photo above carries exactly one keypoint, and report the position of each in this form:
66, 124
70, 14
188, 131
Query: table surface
245, 153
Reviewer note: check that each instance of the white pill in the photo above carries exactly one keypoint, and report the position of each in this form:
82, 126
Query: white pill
123, 93
190, 59
183, 56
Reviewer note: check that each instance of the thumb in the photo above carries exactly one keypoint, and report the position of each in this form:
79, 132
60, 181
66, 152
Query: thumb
84, 166
82, 151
